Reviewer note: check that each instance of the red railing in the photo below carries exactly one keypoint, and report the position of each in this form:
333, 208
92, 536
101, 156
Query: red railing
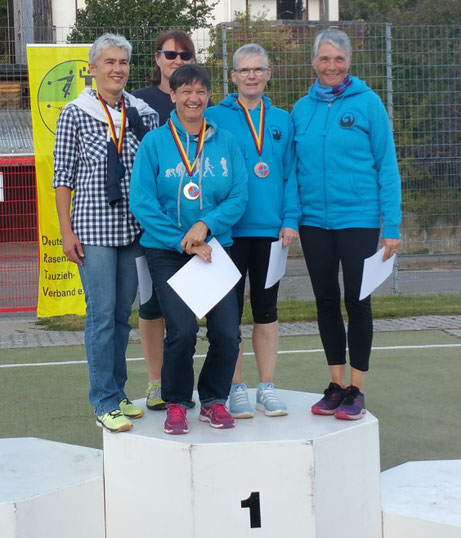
19, 255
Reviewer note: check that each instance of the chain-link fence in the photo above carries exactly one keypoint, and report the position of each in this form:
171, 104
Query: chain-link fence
415, 69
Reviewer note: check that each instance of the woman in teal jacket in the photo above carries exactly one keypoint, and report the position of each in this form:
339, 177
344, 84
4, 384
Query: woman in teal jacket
265, 136
349, 187
189, 185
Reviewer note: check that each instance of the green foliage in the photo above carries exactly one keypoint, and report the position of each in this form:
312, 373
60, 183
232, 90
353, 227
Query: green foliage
140, 21
402, 12
288, 52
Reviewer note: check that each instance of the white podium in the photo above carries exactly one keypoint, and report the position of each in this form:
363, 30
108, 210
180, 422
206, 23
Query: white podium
50, 490
423, 499
295, 476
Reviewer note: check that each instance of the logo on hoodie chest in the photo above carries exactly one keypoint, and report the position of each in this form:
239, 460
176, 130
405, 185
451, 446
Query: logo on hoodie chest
347, 120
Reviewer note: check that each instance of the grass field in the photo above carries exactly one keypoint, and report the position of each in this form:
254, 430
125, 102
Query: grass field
412, 388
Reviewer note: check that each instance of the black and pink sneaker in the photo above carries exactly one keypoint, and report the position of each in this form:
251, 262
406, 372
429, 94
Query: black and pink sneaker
217, 415
353, 405
176, 420
333, 397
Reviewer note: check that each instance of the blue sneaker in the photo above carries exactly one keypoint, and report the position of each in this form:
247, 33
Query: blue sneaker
268, 402
239, 405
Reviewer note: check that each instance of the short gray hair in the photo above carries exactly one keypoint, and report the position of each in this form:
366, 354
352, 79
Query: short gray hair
337, 38
109, 41
250, 49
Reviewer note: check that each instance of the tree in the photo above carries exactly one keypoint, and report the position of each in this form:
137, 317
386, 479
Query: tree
144, 14
402, 12
140, 21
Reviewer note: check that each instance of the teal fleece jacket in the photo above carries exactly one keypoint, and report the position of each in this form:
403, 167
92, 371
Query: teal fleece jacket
159, 176
273, 201
347, 167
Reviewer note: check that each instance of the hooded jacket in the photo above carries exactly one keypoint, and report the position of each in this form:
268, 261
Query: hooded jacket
347, 167
273, 201
159, 176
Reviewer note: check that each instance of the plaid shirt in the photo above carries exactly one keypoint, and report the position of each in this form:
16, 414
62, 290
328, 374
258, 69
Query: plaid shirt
80, 163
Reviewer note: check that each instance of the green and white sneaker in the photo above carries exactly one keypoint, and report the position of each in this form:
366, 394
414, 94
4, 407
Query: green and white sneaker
154, 397
130, 410
114, 421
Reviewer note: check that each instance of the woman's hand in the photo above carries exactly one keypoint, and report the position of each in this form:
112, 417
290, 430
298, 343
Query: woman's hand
195, 236
203, 251
390, 247
72, 248
288, 236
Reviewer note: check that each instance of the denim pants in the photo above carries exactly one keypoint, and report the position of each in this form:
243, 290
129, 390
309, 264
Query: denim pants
110, 283
223, 334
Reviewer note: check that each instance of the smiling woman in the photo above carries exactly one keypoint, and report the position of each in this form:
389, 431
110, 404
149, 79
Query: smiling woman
189, 185
111, 70
345, 198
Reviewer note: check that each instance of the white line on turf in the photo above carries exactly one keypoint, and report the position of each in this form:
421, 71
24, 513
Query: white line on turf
281, 352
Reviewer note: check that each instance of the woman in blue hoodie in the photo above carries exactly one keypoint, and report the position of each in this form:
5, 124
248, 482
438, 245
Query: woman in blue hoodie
189, 185
349, 188
265, 136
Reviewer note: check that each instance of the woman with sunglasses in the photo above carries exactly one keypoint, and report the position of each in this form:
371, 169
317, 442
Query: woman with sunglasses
174, 49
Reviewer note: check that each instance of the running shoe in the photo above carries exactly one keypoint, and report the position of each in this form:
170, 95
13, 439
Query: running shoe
268, 402
333, 396
353, 405
217, 415
239, 404
114, 421
154, 397
176, 420
130, 410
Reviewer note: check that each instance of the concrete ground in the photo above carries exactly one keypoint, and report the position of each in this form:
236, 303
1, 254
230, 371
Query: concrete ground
20, 330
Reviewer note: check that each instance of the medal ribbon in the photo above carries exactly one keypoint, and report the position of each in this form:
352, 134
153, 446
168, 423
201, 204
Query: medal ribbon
258, 138
201, 141
118, 143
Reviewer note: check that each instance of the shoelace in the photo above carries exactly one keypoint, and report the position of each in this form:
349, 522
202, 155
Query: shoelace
125, 401
115, 413
269, 395
219, 409
176, 412
240, 395
351, 395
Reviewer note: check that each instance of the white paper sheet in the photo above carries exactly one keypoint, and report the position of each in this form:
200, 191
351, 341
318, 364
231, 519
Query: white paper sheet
277, 263
375, 272
144, 280
201, 285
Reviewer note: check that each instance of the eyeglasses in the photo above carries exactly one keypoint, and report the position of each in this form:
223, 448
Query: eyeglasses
173, 54
245, 71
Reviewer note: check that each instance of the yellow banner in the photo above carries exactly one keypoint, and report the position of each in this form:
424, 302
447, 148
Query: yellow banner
57, 74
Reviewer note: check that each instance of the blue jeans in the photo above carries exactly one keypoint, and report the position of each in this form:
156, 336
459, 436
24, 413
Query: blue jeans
223, 334
110, 282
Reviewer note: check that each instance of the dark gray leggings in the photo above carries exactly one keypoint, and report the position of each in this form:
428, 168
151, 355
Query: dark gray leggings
323, 251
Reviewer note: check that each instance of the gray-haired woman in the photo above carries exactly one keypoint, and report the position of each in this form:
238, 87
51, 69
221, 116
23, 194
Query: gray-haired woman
349, 188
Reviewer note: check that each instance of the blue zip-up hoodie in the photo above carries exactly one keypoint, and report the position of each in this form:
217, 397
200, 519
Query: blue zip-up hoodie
273, 201
347, 167
159, 177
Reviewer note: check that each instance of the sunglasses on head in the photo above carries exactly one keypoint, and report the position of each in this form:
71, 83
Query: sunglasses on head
172, 54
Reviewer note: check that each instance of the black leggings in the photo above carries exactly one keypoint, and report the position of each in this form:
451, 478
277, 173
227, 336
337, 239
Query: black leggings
251, 254
323, 250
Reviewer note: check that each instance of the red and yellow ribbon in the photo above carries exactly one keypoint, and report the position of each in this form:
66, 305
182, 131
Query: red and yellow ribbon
201, 140
118, 143
258, 138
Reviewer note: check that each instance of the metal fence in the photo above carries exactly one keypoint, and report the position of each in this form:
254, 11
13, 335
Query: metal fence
415, 69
